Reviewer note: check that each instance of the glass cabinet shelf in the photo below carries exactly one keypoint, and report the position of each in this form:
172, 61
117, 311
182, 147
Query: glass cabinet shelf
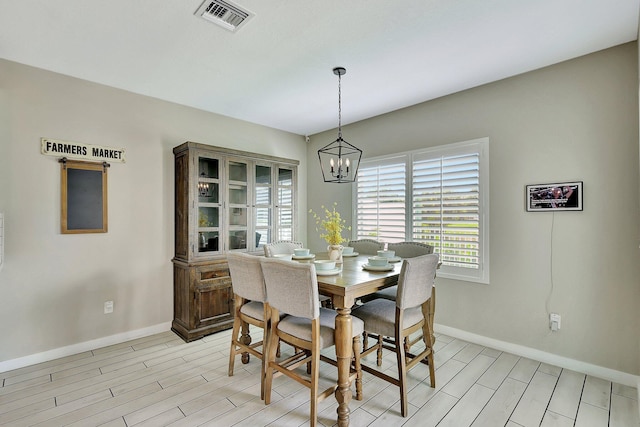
237, 195
208, 241
208, 216
208, 192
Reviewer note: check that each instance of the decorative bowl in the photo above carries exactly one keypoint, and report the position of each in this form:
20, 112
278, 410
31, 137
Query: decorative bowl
325, 264
301, 252
387, 254
378, 261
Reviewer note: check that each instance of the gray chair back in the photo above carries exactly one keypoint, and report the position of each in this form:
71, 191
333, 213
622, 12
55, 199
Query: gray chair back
416, 280
410, 249
292, 287
281, 247
366, 246
246, 276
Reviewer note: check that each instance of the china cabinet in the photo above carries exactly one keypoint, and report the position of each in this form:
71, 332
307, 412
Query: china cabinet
225, 200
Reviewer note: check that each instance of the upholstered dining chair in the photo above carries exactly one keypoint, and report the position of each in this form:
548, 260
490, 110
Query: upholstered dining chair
250, 307
398, 319
286, 247
366, 246
292, 289
409, 250
403, 250
281, 247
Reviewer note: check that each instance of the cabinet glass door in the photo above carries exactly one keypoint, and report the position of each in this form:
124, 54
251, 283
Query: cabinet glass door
238, 206
263, 206
285, 203
209, 208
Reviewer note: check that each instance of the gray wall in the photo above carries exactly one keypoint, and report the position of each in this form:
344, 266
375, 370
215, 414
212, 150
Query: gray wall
577, 120
53, 286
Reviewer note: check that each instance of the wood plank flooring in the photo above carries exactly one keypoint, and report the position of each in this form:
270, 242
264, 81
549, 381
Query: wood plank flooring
162, 381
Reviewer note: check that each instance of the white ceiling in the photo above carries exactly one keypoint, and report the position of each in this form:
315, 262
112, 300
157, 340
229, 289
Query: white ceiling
277, 69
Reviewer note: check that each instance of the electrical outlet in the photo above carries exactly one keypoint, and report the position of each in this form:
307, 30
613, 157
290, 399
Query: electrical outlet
555, 321
108, 307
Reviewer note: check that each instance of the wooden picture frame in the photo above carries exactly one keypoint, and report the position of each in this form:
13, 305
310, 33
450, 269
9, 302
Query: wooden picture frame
83, 197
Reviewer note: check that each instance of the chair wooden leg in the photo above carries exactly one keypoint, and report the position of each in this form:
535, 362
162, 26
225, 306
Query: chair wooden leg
265, 354
272, 347
379, 351
263, 368
432, 370
402, 376
427, 338
432, 313
365, 340
356, 362
246, 340
315, 378
234, 337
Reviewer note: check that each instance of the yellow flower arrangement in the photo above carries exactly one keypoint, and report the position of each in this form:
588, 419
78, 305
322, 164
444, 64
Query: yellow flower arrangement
331, 225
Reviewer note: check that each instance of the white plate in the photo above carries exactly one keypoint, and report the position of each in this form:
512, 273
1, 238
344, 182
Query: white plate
350, 255
328, 272
310, 256
387, 267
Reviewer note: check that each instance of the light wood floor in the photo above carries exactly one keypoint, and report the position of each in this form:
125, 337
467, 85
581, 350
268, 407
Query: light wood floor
160, 380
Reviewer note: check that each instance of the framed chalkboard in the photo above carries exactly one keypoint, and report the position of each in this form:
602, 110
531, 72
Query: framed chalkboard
84, 197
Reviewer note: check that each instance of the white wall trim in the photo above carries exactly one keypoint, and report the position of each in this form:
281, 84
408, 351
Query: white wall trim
57, 353
542, 356
519, 350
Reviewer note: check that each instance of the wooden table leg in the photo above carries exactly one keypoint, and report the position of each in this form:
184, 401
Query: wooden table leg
344, 350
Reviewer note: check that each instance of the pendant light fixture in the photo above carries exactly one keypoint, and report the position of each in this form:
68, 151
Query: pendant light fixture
339, 160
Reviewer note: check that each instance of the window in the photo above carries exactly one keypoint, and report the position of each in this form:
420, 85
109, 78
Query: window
438, 196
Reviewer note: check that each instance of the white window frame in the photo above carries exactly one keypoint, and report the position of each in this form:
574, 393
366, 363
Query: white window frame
479, 146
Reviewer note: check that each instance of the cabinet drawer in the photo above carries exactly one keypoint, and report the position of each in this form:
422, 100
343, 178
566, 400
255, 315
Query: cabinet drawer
211, 272
220, 284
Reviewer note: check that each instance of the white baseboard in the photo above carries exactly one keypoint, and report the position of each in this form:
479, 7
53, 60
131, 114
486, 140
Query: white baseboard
542, 356
519, 350
57, 353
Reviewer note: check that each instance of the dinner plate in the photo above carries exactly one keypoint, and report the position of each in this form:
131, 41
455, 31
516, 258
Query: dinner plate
310, 256
328, 272
352, 254
377, 267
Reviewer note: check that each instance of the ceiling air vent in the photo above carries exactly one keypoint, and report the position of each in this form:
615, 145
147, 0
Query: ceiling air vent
224, 13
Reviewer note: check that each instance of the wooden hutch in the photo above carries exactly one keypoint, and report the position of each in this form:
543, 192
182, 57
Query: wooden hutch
225, 200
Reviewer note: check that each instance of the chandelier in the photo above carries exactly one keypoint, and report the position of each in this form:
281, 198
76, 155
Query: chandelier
339, 160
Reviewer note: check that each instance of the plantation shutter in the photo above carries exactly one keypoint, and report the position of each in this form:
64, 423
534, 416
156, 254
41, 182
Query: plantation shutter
381, 198
446, 207
439, 196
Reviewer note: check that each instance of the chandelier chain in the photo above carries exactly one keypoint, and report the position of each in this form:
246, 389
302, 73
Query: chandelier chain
339, 106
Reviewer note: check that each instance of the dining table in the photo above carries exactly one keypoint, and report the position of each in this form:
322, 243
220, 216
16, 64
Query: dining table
353, 278
344, 287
